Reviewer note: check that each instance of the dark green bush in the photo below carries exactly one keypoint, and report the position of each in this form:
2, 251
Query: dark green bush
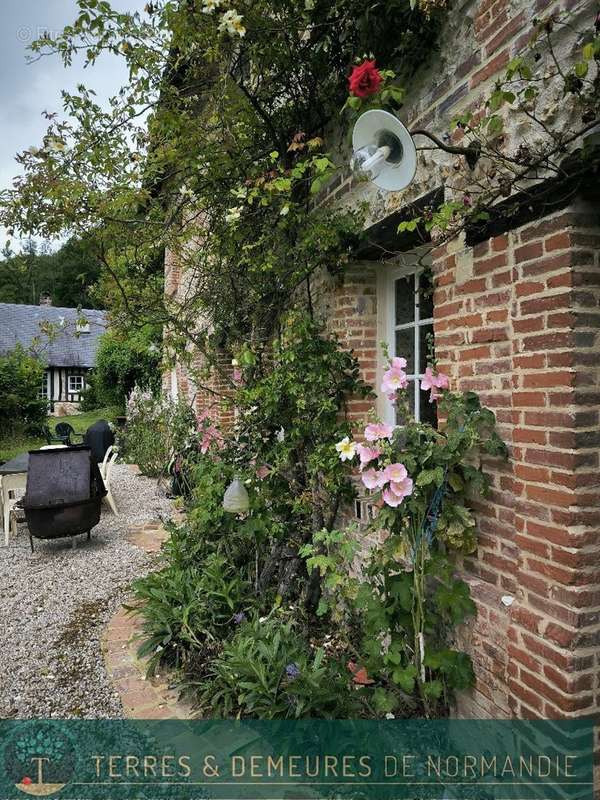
122, 363
22, 410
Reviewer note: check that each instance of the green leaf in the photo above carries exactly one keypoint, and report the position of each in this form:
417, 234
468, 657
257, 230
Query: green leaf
581, 69
588, 51
405, 678
426, 476
433, 689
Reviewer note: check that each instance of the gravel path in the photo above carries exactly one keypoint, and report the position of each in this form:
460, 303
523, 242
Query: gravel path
55, 602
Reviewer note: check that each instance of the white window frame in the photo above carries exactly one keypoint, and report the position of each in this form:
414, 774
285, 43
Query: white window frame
45, 387
408, 265
79, 389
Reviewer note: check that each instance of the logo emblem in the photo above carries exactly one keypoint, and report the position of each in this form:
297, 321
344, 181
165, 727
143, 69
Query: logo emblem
40, 758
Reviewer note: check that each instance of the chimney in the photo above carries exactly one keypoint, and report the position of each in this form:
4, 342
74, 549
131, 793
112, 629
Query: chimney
45, 299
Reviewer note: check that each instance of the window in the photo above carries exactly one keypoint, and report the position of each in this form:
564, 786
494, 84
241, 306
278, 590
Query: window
44, 387
76, 384
82, 327
410, 330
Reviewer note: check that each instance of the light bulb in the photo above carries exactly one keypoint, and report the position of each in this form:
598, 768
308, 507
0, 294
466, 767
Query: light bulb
370, 160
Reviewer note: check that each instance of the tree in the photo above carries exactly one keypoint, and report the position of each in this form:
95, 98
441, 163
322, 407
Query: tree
68, 275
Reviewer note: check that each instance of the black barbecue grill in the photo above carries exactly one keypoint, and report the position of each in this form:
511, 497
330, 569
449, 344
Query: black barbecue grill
64, 493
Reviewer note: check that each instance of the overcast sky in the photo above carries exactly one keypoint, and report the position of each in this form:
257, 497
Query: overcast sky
26, 90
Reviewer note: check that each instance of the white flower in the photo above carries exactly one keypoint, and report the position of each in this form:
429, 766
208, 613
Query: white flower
233, 214
389, 715
280, 435
56, 144
284, 211
231, 23
210, 5
346, 449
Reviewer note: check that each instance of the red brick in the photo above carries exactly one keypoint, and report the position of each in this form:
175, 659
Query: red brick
486, 265
491, 68
527, 252
559, 241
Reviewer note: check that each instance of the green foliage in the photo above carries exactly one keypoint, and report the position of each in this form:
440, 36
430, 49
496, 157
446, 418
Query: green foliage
67, 275
269, 671
156, 430
288, 414
22, 410
412, 600
123, 362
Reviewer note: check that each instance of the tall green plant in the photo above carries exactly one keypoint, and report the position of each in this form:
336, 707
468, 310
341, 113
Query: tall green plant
22, 409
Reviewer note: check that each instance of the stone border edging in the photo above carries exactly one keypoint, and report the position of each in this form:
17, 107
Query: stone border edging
142, 697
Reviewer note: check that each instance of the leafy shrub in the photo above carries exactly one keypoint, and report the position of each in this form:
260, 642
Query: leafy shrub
22, 410
156, 430
185, 607
268, 670
123, 363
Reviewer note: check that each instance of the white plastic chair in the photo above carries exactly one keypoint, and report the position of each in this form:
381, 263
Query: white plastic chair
105, 460
10, 486
106, 479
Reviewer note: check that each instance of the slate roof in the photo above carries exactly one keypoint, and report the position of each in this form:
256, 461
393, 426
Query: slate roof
20, 323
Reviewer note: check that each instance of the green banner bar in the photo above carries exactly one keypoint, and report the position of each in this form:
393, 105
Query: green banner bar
285, 760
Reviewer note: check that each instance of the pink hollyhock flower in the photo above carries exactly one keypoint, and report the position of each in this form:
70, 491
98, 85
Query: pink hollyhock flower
393, 380
237, 376
263, 471
367, 454
372, 479
378, 430
395, 473
403, 488
391, 499
397, 491
434, 383
398, 362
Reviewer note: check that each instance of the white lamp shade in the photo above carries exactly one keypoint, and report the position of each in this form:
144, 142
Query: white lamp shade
235, 499
377, 128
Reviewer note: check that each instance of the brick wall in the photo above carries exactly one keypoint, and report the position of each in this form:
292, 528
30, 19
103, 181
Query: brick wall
517, 320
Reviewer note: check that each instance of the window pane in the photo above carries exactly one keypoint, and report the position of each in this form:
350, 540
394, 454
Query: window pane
425, 296
405, 300
428, 410
426, 333
405, 347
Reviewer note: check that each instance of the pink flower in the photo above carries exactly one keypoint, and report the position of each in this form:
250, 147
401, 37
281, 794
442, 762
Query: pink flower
396, 492
395, 473
237, 376
391, 499
398, 362
263, 471
378, 430
402, 488
394, 379
434, 383
367, 454
372, 479
209, 436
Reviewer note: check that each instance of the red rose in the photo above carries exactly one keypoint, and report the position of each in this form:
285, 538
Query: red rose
364, 79
26, 780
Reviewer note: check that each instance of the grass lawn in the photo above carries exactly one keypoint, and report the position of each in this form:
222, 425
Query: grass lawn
9, 448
